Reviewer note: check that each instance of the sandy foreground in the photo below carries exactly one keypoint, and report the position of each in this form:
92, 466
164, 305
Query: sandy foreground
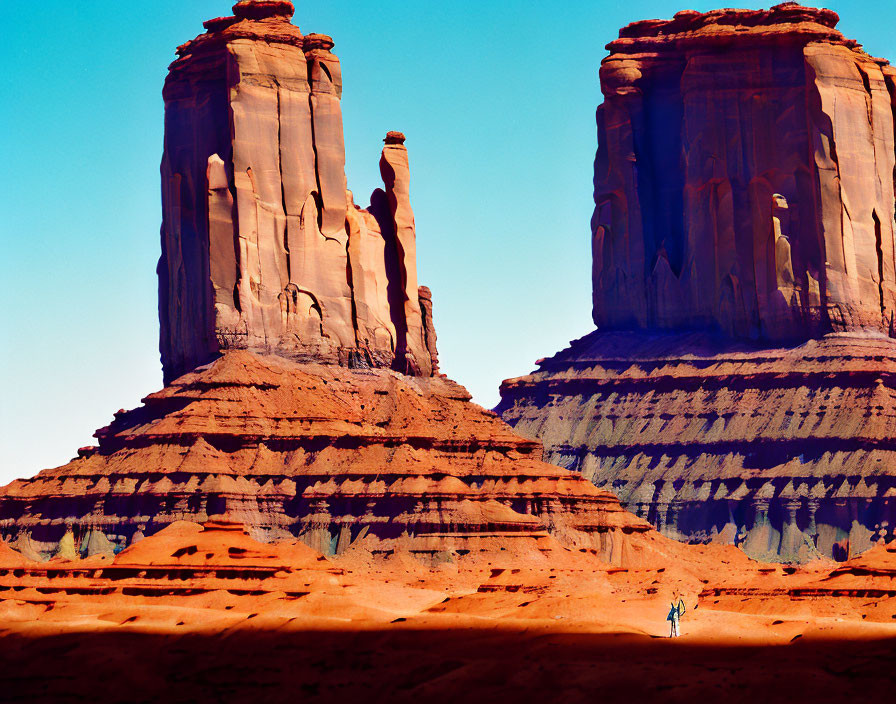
207, 614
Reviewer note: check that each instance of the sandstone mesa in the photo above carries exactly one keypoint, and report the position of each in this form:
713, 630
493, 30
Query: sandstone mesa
739, 386
302, 391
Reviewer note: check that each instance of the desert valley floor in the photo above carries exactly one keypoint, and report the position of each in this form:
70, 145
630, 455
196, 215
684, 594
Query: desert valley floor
208, 614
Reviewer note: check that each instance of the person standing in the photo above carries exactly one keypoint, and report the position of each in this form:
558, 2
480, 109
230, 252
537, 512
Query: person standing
674, 618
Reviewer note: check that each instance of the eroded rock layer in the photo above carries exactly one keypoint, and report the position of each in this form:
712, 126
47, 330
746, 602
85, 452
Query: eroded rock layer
744, 212
205, 613
263, 247
319, 452
787, 452
299, 352
744, 177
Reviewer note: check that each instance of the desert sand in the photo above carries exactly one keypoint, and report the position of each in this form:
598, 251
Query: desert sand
208, 614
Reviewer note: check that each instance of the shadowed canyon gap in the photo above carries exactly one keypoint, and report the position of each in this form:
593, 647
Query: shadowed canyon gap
739, 387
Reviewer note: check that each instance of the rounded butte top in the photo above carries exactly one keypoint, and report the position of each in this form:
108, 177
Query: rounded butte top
393, 137
263, 9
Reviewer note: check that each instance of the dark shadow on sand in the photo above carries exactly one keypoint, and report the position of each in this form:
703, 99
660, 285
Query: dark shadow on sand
464, 665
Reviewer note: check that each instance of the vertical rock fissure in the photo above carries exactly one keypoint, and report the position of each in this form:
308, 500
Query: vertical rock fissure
878, 242
317, 196
869, 97
354, 303
282, 184
891, 92
229, 162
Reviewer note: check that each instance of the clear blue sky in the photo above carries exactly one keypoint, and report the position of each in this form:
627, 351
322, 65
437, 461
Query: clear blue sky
497, 100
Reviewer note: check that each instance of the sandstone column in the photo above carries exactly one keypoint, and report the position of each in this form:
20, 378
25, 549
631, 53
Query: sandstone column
262, 246
396, 177
329, 143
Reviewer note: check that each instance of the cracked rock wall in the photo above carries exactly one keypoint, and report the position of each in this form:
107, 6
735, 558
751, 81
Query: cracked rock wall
263, 247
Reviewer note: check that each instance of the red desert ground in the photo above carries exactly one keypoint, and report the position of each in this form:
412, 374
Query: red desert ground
310, 511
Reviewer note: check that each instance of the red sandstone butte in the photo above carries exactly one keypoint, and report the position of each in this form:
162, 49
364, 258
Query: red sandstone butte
263, 247
740, 387
302, 394
744, 177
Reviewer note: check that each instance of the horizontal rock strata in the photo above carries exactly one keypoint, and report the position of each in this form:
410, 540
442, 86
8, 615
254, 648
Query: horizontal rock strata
787, 452
320, 453
195, 610
866, 583
744, 213
185, 562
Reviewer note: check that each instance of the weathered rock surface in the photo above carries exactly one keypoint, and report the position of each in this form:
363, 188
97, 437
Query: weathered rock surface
787, 452
263, 247
739, 387
318, 452
299, 352
206, 562
744, 177
196, 613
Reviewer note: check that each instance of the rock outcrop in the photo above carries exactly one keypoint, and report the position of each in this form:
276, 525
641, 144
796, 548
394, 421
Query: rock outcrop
744, 177
262, 245
302, 396
786, 452
739, 387
322, 453
204, 562
204, 613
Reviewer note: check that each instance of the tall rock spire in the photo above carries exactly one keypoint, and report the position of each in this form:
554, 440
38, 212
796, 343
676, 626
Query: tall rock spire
262, 245
396, 175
